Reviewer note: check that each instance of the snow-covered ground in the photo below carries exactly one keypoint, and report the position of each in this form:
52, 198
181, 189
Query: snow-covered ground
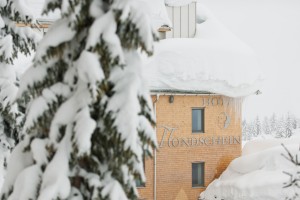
258, 174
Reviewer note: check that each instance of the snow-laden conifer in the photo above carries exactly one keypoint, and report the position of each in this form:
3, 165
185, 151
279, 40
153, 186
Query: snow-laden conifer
14, 39
90, 120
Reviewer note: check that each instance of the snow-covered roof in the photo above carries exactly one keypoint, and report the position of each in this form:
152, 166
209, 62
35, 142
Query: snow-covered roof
156, 9
214, 61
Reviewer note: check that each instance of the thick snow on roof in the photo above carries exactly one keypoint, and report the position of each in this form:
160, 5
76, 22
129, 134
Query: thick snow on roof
258, 174
156, 9
214, 61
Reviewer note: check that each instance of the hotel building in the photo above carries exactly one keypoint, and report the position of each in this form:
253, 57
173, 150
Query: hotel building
198, 114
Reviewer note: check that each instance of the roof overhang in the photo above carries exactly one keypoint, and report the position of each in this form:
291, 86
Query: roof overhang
188, 92
180, 92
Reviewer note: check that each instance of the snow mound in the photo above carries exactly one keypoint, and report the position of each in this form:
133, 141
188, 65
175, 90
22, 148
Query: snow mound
214, 61
258, 145
258, 174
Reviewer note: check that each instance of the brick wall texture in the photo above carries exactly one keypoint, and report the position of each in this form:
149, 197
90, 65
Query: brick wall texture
216, 147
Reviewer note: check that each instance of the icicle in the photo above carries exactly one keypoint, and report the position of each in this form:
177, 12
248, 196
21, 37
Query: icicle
233, 106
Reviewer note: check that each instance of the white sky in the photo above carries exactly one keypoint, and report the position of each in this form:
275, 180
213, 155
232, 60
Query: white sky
272, 29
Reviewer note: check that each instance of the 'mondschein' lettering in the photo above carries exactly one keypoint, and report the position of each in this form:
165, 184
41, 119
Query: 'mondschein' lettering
168, 140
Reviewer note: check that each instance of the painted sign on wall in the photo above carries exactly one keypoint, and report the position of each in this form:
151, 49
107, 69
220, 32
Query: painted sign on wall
169, 140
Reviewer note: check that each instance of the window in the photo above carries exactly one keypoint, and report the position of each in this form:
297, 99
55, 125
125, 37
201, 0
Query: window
198, 174
139, 183
197, 120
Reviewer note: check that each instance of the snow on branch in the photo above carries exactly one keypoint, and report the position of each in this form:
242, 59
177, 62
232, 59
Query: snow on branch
294, 176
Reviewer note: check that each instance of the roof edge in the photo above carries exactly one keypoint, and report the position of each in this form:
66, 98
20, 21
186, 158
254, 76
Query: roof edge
182, 92
192, 92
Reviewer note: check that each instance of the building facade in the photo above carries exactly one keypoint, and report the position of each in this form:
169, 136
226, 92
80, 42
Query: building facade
199, 75
198, 136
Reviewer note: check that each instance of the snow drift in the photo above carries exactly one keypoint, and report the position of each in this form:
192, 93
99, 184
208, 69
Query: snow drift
258, 174
214, 61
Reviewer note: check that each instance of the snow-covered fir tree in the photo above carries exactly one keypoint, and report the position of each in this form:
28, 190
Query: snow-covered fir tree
248, 130
13, 40
244, 130
288, 126
257, 126
266, 127
90, 120
294, 123
273, 123
280, 131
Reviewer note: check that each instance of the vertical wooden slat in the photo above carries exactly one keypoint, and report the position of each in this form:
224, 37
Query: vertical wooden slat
184, 21
176, 22
192, 19
173, 12
169, 34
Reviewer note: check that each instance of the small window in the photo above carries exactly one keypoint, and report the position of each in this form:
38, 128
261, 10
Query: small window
198, 174
197, 120
139, 183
